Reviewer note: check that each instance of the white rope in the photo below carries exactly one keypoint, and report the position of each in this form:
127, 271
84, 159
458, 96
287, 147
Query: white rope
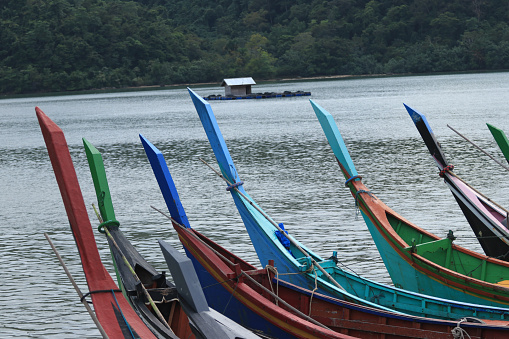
458, 332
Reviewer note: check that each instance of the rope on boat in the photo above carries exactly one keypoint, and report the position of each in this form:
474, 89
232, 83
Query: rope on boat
294, 243
313, 292
104, 226
219, 282
237, 184
311, 268
447, 168
458, 332
231, 296
293, 309
122, 314
82, 299
275, 271
107, 223
352, 179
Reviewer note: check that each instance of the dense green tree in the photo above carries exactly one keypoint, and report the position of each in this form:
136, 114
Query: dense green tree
67, 45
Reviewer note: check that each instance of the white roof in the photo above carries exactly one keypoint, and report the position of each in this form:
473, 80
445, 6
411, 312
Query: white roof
238, 82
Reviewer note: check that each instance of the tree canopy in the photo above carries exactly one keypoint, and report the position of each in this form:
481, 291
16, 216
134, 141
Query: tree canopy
66, 45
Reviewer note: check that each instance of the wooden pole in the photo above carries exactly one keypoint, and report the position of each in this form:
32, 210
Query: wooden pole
334, 282
87, 306
479, 148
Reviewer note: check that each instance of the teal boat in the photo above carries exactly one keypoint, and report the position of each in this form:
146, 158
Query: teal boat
300, 266
418, 260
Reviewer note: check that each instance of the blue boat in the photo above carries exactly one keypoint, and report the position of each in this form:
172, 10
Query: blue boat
300, 266
223, 291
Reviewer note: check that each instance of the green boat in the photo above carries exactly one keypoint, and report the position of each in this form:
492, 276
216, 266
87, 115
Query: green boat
418, 260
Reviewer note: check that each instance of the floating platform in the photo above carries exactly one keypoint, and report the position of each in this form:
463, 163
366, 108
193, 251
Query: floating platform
265, 95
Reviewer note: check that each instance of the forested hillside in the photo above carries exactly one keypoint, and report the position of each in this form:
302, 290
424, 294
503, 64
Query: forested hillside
65, 45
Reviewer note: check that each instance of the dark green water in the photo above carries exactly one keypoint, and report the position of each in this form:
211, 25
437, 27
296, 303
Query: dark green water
281, 154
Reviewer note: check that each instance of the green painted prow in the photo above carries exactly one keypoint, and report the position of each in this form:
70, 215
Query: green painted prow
102, 190
501, 140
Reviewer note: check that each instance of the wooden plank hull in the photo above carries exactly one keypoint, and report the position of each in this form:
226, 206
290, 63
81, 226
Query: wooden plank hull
363, 291
237, 303
183, 311
223, 276
418, 260
484, 217
161, 290
113, 311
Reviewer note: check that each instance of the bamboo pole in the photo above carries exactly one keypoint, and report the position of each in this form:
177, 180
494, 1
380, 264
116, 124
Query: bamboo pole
228, 261
294, 243
147, 295
73, 282
479, 148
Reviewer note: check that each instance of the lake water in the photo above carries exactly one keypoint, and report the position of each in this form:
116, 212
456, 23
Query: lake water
281, 154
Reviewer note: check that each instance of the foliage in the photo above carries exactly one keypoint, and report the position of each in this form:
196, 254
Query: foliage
66, 45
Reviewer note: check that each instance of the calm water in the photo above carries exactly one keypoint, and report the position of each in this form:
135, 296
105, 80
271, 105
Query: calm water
281, 154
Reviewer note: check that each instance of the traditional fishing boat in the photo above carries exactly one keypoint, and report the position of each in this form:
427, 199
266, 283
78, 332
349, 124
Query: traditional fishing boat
229, 280
487, 219
259, 298
271, 242
164, 307
501, 140
418, 260
113, 311
224, 291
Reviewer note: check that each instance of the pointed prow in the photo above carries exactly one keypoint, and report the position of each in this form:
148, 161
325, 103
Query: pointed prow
165, 182
335, 140
428, 137
501, 140
216, 139
102, 190
185, 278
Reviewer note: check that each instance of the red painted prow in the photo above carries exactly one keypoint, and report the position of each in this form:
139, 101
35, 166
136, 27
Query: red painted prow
110, 307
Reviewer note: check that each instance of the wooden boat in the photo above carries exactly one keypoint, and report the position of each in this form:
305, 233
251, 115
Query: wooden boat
290, 259
257, 298
182, 310
229, 279
487, 219
501, 140
418, 260
113, 311
227, 293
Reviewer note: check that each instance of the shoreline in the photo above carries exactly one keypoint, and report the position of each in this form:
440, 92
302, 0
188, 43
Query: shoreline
266, 81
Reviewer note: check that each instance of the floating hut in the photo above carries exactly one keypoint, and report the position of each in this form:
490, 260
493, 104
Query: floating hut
237, 86
240, 88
